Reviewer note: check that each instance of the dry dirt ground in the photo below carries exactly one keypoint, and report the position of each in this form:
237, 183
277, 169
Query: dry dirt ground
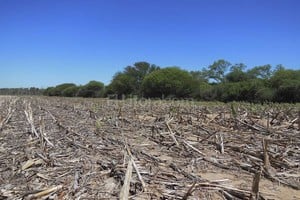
71, 148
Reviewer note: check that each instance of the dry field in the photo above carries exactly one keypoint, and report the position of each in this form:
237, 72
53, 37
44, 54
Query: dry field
70, 148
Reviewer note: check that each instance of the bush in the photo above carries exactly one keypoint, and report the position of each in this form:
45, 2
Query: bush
92, 89
169, 82
58, 90
70, 91
122, 84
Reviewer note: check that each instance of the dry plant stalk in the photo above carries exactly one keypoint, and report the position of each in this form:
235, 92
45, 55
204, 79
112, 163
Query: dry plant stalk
255, 186
266, 155
124, 194
29, 117
171, 132
139, 174
299, 120
195, 149
31, 162
189, 192
10, 110
220, 143
268, 121
135, 167
46, 192
43, 133
76, 180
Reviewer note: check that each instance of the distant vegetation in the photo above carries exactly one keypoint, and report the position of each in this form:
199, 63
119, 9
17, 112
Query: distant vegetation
220, 81
91, 89
21, 91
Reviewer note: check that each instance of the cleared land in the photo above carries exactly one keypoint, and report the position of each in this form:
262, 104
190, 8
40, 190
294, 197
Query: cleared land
64, 148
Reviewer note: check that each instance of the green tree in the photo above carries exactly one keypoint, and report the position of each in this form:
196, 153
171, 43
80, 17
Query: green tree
129, 81
282, 75
47, 91
217, 70
286, 84
92, 89
169, 82
122, 84
237, 73
249, 90
58, 89
70, 91
201, 76
138, 71
289, 91
261, 72
265, 94
230, 91
207, 92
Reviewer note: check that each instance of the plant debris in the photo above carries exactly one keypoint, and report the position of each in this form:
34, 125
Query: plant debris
62, 148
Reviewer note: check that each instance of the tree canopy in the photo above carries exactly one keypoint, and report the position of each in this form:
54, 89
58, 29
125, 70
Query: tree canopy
130, 80
221, 81
91, 89
168, 82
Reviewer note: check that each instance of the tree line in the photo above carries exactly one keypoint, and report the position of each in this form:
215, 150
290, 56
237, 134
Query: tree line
220, 81
21, 91
92, 89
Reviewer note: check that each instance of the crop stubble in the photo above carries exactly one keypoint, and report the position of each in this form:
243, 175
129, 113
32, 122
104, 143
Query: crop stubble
65, 148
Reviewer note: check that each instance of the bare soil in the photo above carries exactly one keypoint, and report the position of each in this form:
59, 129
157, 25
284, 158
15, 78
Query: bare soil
73, 148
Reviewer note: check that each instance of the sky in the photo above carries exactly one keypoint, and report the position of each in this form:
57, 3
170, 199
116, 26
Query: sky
47, 42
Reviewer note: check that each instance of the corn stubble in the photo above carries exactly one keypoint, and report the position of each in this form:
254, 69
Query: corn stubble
62, 148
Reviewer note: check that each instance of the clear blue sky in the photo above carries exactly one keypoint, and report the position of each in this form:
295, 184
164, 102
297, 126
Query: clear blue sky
47, 42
